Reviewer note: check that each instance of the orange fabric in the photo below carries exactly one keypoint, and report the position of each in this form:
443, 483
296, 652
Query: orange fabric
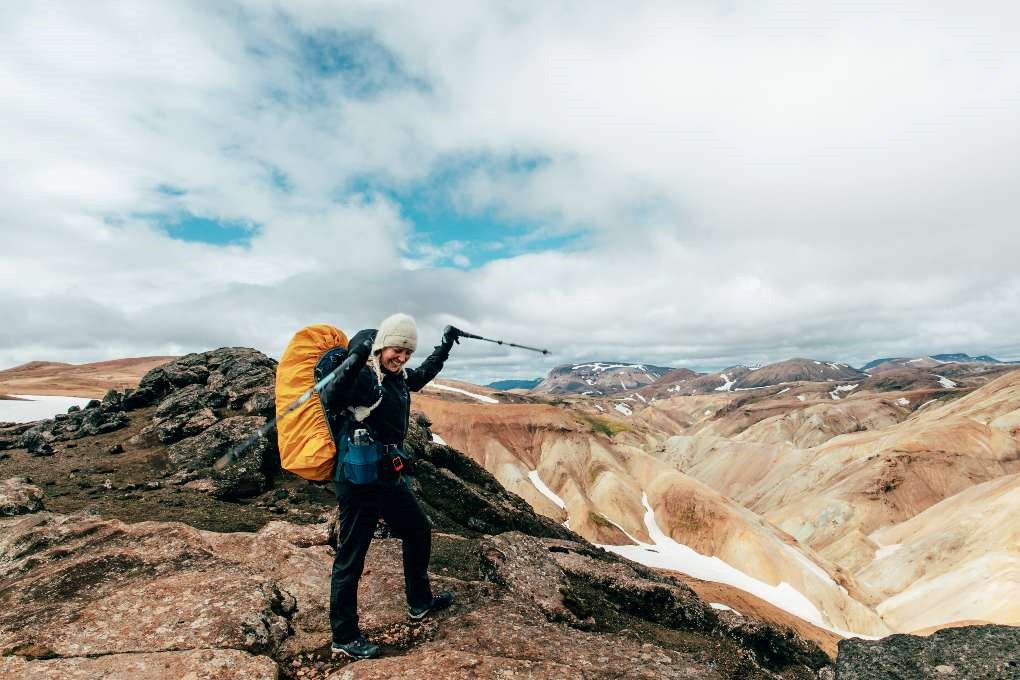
306, 446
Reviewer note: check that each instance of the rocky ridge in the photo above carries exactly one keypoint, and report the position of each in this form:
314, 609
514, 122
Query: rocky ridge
85, 594
252, 604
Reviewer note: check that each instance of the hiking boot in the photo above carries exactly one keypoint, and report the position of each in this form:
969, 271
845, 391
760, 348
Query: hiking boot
358, 648
440, 601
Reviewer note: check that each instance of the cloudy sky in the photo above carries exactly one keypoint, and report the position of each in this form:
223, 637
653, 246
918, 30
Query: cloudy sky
690, 184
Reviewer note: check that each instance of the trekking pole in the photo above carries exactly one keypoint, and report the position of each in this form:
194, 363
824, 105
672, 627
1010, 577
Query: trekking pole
231, 455
465, 334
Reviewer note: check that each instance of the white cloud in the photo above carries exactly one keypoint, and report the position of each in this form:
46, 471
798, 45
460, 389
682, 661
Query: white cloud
758, 180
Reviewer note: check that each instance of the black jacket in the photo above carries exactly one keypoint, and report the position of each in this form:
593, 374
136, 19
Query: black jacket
388, 421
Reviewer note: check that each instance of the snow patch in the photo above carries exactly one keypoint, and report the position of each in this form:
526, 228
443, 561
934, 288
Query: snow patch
785, 389
708, 413
665, 553
727, 384
439, 440
598, 366
546, 491
624, 409
887, 550
945, 382
801, 397
480, 397
721, 607
903, 401
640, 397
36, 407
599, 407
841, 388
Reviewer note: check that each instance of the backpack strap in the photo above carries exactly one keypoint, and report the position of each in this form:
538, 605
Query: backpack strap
361, 412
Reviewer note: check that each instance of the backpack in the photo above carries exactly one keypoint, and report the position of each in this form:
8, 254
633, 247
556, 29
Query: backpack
305, 440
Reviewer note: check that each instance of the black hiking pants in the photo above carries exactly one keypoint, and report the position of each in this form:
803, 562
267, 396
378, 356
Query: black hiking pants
361, 506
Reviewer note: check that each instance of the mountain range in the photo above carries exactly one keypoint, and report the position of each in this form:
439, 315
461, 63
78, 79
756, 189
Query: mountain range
858, 502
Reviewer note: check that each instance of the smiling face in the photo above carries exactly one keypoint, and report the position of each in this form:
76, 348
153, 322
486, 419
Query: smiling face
392, 359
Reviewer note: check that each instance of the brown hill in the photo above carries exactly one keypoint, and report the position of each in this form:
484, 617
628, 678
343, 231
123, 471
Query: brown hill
76, 380
796, 370
723, 381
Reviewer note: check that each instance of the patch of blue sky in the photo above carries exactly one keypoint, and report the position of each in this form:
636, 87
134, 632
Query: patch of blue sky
364, 65
451, 232
197, 229
170, 190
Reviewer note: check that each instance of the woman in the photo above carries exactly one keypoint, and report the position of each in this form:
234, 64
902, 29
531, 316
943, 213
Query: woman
369, 412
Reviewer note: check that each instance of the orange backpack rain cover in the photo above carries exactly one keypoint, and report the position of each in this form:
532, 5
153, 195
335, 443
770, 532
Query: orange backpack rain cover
306, 445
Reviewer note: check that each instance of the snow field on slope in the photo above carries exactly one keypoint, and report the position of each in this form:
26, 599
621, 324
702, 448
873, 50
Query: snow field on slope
598, 367
36, 407
480, 397
665, 553
545, 490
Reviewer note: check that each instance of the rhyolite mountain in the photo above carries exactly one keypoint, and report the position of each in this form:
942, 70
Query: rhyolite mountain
599, 378
930, 361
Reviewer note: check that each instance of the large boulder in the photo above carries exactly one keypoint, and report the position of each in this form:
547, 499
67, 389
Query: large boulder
19, 497
965, 653
236, 373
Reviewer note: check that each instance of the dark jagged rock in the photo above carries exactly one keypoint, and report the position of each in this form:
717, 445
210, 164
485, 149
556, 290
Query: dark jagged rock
100, 421
966, 653
188, 400
18, 496
37, 442
113, 400
192, 459
184, 425
10, 434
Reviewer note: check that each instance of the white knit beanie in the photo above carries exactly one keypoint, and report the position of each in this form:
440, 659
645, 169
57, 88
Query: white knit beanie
398, 330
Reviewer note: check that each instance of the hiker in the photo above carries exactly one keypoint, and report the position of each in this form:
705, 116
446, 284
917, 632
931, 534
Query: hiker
369, 411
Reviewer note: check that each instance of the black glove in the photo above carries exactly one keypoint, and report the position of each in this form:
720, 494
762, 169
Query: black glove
362, 343
451, 334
